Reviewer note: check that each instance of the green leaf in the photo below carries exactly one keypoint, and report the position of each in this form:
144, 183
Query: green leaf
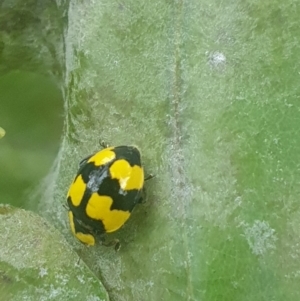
36, 263
209, 91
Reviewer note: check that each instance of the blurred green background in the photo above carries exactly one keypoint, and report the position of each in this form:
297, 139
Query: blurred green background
31, 113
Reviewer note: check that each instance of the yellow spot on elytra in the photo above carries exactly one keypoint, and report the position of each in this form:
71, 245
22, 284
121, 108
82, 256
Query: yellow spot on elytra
98, 207
129, 177
76, 191
87, 239
103, 157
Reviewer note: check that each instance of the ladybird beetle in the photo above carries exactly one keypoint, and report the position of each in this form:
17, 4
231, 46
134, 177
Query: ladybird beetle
106, 189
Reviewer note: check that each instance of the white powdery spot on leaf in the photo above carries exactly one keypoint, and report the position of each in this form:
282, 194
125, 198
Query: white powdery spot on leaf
216, 58
81, 279
43, 272
260, 237
55, 292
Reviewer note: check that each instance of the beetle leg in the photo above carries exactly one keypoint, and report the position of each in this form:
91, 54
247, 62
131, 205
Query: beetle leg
103, 144
149, 177
113, 243
143, 197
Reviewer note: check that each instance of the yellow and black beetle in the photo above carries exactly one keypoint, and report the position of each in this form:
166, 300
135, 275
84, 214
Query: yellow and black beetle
106, 189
